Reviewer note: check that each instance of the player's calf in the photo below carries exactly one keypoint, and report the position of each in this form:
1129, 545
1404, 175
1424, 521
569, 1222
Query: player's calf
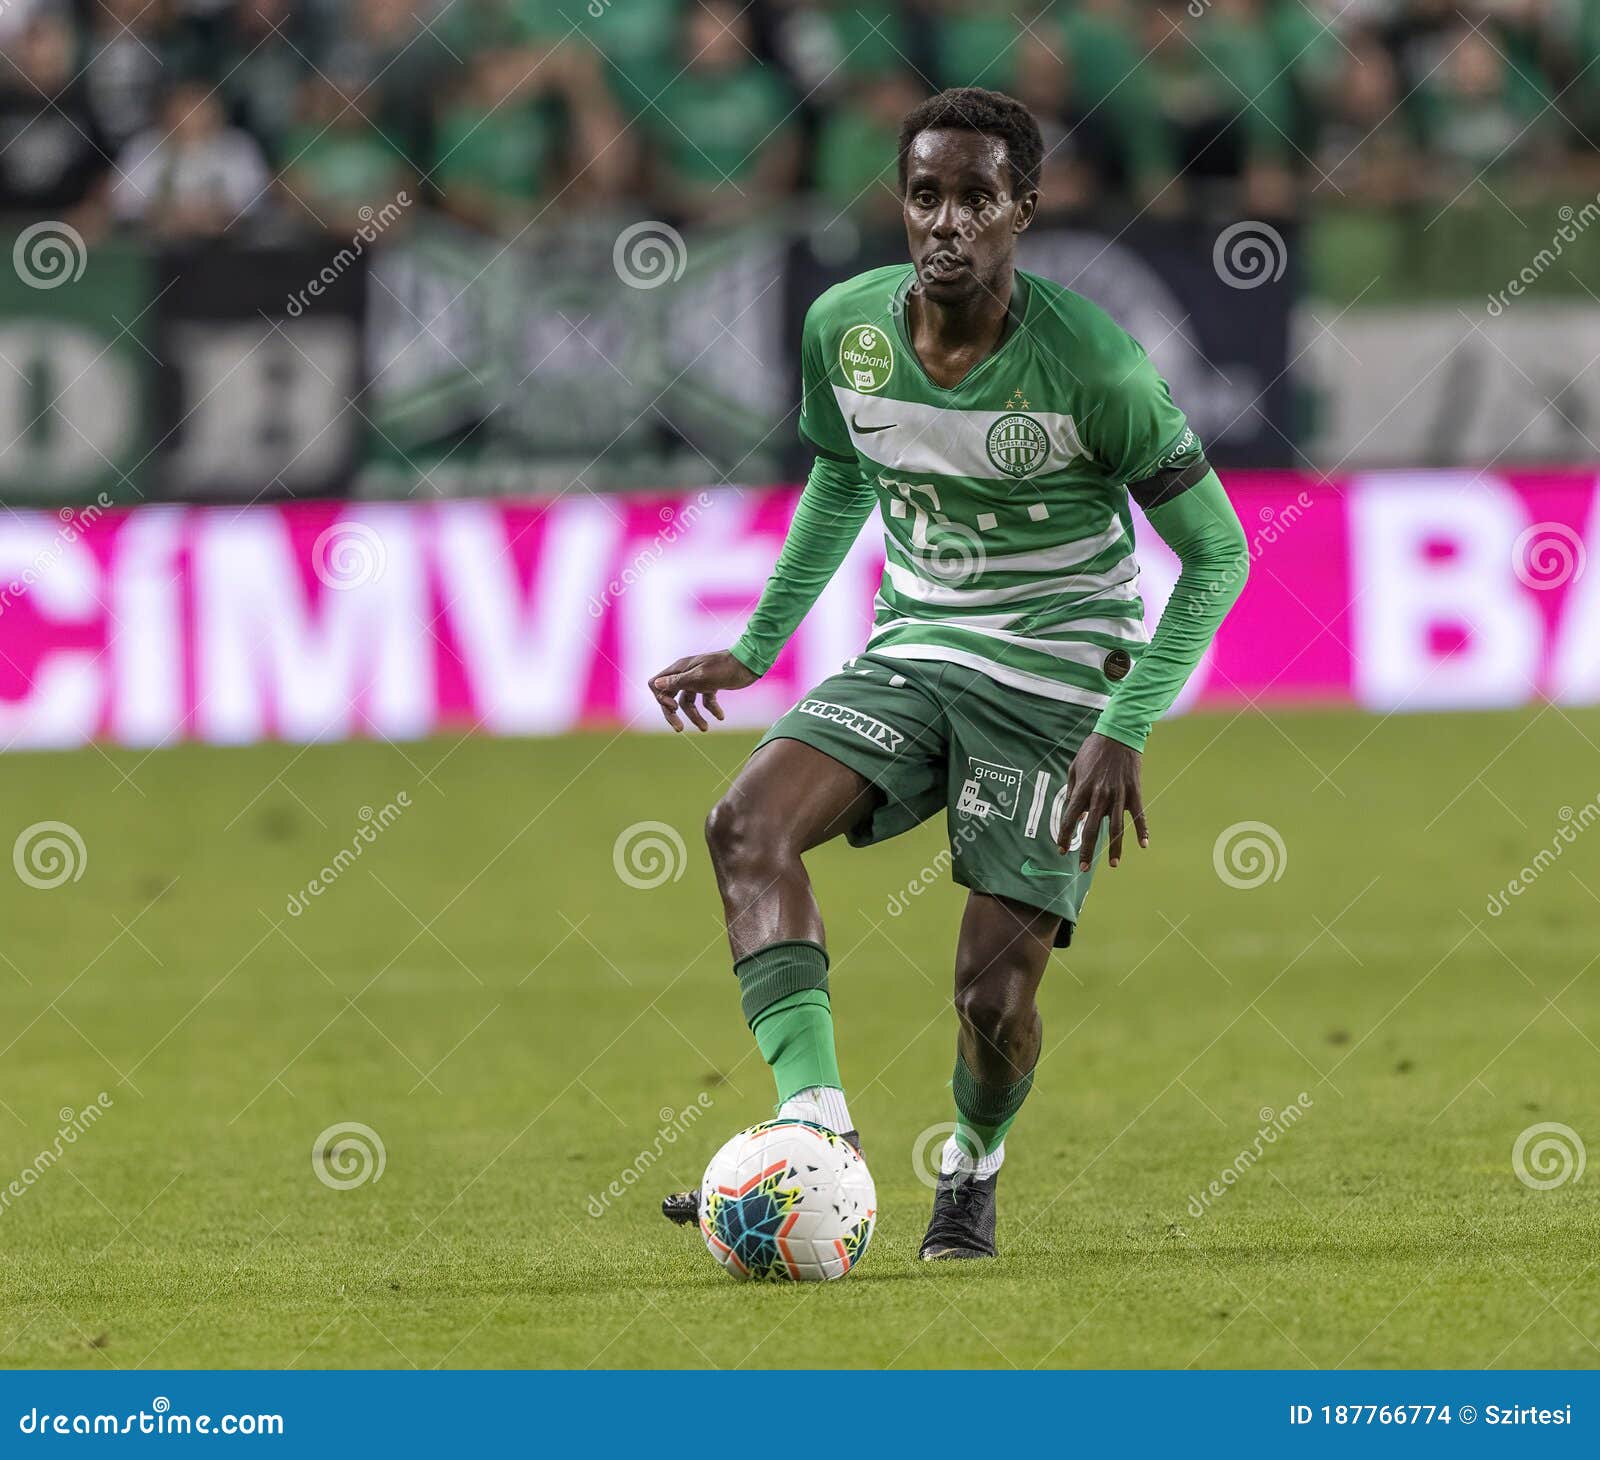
1001, 960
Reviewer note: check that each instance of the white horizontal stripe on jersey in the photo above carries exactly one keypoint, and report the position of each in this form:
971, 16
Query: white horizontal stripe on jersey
1040, 560
1130, 630
1072, 651
1064, 555
1033, 684
906, 436
1121, 582
966, 621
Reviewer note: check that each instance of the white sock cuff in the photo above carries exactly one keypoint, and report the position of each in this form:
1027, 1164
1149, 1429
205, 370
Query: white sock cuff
954, 1159
821, 1105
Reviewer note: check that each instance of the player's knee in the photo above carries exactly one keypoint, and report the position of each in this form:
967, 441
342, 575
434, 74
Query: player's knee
722, 830
989, 1012
731, 836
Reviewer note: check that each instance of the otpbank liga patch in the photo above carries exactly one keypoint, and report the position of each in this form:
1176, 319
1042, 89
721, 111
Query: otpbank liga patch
885, 737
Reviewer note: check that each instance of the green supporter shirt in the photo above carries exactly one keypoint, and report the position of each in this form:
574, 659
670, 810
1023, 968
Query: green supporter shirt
856, 161
1005, 502
507, 151
714, 127
347, 167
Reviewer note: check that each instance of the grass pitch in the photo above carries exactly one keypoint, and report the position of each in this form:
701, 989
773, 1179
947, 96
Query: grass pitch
520, 1028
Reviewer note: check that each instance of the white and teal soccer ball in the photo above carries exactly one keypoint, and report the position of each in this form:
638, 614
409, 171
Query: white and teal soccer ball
787, 1201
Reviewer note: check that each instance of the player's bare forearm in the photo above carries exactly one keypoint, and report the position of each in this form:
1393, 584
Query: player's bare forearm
1103, 785
699, 677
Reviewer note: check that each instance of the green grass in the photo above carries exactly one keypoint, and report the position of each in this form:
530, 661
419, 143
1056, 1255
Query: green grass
482, 990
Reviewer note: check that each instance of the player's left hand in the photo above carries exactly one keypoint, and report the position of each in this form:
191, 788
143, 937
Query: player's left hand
704, 675
1102, 783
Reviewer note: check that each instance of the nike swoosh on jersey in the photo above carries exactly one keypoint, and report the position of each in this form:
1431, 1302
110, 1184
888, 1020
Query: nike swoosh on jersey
856, 426
1029, 870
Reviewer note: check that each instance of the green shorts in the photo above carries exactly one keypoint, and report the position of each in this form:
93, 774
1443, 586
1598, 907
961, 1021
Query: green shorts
932, 736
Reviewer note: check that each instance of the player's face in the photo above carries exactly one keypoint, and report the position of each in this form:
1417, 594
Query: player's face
961, 220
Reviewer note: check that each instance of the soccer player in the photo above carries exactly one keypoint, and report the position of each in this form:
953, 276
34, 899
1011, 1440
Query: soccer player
1001, 423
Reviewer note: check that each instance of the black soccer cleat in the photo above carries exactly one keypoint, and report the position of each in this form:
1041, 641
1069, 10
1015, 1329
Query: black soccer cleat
962, 1225
683, 1207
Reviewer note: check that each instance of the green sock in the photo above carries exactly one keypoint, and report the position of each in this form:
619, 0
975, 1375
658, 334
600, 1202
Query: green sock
984, 1113
783, 990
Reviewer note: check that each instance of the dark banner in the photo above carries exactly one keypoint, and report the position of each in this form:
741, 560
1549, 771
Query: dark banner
75, 369
615, 354
258, 372
1214, 309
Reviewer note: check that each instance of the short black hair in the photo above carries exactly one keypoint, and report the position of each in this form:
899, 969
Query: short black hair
991, 113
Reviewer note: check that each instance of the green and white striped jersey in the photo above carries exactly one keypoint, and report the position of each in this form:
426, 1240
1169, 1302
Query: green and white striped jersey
1004, 498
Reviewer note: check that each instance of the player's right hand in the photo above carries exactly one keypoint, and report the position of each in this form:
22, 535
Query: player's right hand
676, 687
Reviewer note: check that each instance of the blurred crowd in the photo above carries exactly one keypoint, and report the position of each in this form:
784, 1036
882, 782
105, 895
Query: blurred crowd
198, 117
